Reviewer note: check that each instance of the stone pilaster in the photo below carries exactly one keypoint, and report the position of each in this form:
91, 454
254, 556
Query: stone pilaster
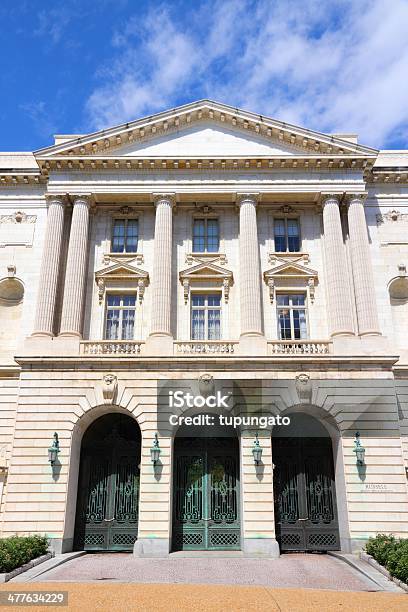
258, 526
338, 284
75, 275
160, 340
366, 304
50, 267
252, 339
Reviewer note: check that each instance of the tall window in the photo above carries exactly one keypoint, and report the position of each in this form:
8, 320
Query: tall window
292, 320
206, 236
287, 235
120, 317
125, 235
205, 316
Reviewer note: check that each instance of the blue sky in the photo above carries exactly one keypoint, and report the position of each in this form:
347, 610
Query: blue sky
80, 65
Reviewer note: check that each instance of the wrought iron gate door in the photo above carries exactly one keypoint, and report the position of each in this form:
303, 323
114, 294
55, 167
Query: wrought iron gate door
108, 495
304, 492
206, 494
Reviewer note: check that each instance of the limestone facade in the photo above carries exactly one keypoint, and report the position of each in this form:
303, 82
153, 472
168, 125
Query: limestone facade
245, 176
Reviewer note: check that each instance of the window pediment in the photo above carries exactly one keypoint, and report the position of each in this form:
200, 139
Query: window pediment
290, 271
206, 272
124, 273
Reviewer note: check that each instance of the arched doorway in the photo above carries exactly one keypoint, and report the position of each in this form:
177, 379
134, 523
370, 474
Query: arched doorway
108, 486
206, 497
304, 486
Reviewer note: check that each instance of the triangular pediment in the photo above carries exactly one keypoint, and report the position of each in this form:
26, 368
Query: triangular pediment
121, 270
290, 269
204, 129
207, 139
205, 271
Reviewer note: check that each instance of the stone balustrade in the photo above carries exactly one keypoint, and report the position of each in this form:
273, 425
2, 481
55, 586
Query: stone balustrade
299, 347
195, 347
109, 347
205, 347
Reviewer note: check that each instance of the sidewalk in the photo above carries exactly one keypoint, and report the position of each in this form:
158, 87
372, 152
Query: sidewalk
210, 598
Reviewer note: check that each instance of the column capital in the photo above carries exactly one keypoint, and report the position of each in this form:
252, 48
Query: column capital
58, 198
170, 198
330, 196
84, 198
350, 197
242, 197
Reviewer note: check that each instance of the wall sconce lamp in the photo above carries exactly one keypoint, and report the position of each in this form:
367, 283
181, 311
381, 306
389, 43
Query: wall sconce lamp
155, 450
359, 449
257, 451
54, 450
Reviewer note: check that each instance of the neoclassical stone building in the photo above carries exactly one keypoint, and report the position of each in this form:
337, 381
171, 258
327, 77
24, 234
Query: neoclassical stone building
212, 248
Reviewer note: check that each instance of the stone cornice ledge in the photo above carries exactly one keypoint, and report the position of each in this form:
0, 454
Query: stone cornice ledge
288, 363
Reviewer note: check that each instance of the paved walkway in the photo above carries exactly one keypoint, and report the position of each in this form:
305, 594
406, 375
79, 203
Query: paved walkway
293, 571
209, 598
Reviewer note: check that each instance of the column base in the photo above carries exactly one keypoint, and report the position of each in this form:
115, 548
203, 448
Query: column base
151, 547
253, 344
261, 547
49, 345
159, 344
361, 345
42, 334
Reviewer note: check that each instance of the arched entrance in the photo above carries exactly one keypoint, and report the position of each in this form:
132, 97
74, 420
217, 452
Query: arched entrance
304, 486
206, 499
108, 486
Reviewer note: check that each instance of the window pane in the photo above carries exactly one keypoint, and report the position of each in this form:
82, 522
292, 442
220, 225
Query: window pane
129, 300
197, 324
132, 232
280, 235
199, 236
213, 239
213, 325
284, 325
297, 299
293, 227
282, 300
302, 324
214, 300
112, 325
296, 324
128, 323
197, 299
293, 235
114, 300
118, 238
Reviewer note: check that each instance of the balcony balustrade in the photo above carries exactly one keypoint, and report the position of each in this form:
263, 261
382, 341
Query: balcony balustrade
109, 347
276, 348
299, 347
194, 347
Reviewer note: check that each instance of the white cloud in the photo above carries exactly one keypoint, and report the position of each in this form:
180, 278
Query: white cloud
337, 66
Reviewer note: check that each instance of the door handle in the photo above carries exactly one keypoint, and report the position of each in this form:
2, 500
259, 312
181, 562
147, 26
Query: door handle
304, 519
109, 520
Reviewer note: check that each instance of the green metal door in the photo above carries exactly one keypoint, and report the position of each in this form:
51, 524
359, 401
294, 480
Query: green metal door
304, 492
206, 494
108, 494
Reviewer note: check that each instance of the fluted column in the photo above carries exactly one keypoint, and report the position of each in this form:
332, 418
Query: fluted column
161, 277
75, 274
366, 304
338, 283
249, 268
50, 266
